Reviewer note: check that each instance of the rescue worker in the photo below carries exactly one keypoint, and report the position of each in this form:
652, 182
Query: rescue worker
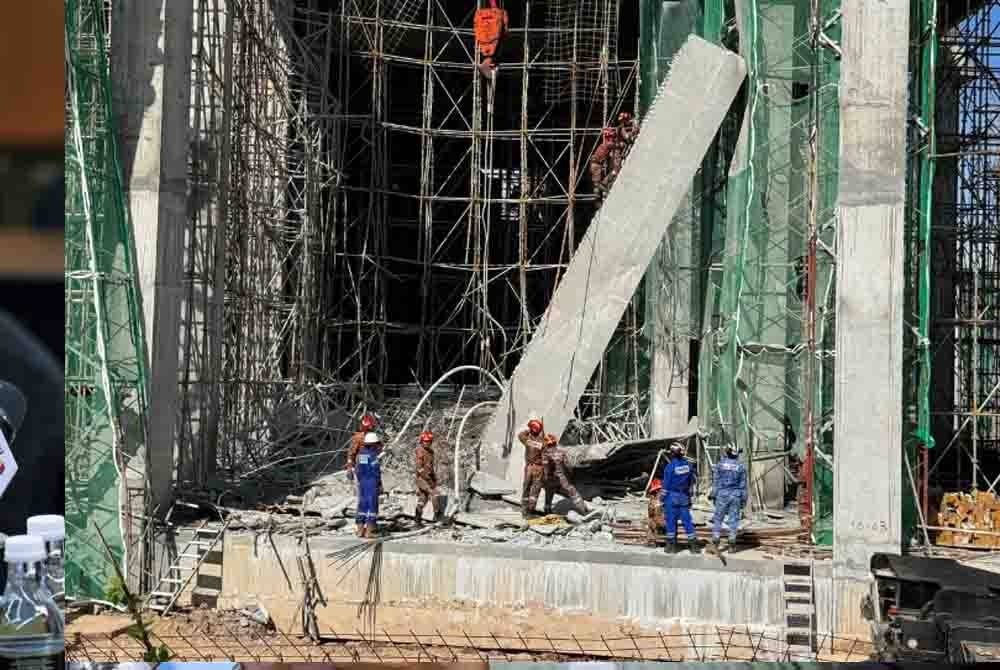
654, 512
729, 486
555, 479
628, 130
357, 441
490, 25
533, 441
679, 477
369, 476
605, 163
426, 477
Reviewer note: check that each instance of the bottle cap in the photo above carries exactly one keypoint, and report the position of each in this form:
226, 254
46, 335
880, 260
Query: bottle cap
13, 405
24, 549
49, 527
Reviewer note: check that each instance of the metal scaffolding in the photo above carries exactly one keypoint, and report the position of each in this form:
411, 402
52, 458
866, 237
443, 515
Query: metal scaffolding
965, 259
354, 235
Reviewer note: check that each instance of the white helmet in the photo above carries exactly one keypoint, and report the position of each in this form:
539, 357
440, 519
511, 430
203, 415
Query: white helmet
372, 438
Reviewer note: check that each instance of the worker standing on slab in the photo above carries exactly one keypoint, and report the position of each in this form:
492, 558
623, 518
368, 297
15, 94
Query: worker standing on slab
368, 424
606, 163
426, 477
533, 440
490, 25
679, 477
729, 487
555, 480
369, 476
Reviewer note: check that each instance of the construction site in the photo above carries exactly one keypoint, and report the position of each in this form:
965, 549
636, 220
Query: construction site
285, 215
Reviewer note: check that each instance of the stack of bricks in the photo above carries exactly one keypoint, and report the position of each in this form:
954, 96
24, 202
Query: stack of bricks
977, 511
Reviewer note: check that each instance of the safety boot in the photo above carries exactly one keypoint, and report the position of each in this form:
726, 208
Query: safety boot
693, 546
671, 546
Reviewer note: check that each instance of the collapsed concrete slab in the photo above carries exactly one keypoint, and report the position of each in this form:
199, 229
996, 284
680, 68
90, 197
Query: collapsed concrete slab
613, 255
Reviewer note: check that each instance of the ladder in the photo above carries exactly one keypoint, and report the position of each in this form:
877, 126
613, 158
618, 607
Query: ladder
800, 611
183, 570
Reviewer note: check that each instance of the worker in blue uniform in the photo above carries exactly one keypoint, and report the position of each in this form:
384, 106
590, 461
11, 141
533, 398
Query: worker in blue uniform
679, 476
729, 486
369, 477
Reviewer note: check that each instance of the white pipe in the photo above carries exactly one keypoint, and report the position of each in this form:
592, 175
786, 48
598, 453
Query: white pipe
458, 437
460, 368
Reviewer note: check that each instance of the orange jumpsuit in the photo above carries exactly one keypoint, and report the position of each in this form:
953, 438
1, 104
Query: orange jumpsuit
555, 479
426, 480
357, 441
533, 470
489, 25
605, 164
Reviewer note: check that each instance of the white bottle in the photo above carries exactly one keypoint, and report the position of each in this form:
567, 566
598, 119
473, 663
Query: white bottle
52, 529
31, 625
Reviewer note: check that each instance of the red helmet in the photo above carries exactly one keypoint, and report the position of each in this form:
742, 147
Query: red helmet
609, 134
535, 426
367, 423
550, 440
655, 486
426, 437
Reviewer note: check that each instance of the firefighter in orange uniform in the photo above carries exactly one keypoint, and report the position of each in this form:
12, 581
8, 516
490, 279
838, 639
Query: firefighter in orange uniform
490, 25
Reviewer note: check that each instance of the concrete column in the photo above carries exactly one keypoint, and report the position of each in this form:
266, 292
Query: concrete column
868, 394
152, 64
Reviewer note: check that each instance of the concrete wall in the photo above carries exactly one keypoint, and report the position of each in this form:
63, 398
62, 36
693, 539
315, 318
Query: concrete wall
647, 588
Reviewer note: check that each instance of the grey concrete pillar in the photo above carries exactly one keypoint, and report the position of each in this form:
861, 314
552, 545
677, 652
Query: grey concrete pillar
152, 64
868, 386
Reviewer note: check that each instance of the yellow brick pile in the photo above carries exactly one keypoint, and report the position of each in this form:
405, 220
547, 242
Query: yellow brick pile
979, 510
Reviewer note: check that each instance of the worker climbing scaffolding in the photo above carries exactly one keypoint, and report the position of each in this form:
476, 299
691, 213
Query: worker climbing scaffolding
490, 25
607, 160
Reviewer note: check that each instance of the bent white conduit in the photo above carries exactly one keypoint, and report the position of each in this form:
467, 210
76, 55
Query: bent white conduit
458, 439
427, 394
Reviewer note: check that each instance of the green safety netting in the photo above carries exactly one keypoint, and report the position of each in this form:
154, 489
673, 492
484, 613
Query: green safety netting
104, 366
769, 186
751, 231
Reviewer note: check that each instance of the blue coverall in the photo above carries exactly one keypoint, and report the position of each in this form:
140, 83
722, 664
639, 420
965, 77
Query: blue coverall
369, 476
730, 484
679, 476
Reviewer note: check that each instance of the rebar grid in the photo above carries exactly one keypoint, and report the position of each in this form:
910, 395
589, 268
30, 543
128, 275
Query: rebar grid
723, 643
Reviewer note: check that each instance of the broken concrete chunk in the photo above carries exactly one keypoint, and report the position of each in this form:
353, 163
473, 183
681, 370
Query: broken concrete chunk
604, 537
486, 484
546, 530
329, 507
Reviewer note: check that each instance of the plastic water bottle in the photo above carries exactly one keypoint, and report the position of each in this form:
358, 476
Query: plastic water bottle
31, 625
52, 529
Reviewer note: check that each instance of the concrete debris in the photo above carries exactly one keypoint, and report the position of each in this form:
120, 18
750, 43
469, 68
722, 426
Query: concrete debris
486, 484
576, 518
604, 537
544, 529
488, 521
329, 507
258, 614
